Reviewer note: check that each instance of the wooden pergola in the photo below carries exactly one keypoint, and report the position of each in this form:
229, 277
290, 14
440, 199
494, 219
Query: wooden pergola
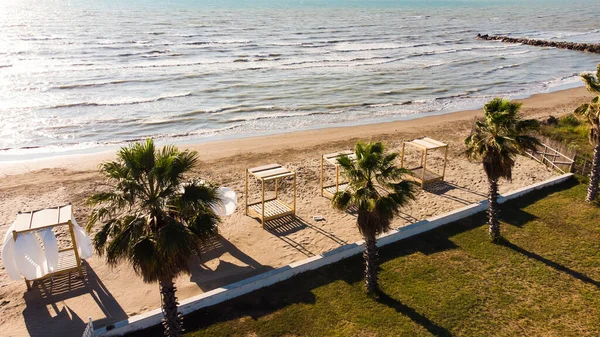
332, 159
272, 208
421, 174
68, 258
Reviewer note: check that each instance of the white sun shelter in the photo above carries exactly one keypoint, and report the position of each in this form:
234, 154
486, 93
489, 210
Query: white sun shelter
31, 251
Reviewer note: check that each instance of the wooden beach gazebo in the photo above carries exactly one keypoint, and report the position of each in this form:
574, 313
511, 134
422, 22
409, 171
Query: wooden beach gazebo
421, 174
268, 209
332, 159
68, 258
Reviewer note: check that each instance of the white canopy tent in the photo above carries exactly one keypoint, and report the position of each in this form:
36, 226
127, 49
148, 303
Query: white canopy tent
23, 256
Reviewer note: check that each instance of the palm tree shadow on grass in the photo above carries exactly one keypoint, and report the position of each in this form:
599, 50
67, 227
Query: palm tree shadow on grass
299, 290
517, 217
416, 317
550, 263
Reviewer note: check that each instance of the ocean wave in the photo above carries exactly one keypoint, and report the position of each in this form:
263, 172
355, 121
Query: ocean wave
87, 85
85, 104
281, 115
503, 67
151, 52
42, 38
212, 111
574, 77
199, 43
562, 35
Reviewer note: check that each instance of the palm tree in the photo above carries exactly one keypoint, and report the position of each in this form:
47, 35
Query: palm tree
152, 219
591, 112
495, 141
378, 193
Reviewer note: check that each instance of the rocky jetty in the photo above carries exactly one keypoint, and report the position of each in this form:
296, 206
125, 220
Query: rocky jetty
585, 47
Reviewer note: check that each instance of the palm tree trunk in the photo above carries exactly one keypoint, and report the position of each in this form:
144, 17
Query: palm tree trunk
493, 210
592, 191
371, 257
173, 320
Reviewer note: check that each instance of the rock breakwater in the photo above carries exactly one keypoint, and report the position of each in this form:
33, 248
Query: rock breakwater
584, 47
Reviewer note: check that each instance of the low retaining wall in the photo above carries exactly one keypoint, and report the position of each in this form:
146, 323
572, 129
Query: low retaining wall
243, 287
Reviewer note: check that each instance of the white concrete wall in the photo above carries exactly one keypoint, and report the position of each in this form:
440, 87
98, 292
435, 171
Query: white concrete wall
234, 290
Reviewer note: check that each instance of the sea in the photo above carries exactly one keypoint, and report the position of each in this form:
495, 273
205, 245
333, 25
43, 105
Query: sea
86, 75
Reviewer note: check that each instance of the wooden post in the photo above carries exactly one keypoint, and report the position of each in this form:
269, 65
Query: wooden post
294, 193
337, 177
402, 158
276, 188
424, 167
572, 167
544, 154
321, 180
75, 252
445, 160
263, 203
246, 191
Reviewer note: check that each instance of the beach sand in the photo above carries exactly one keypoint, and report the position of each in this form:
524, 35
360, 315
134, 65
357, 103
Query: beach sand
245, 248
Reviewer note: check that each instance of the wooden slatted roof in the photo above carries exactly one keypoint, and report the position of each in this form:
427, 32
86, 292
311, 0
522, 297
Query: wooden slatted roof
271, 171
332, 158
426, 143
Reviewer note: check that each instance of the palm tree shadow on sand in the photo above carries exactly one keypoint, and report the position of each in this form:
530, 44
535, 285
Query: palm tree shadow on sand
226, 272
43, 316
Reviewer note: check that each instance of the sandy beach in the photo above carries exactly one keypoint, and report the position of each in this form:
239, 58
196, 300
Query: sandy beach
245, 248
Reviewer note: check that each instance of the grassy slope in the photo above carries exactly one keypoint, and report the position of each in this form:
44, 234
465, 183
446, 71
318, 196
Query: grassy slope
572, 131
544, 281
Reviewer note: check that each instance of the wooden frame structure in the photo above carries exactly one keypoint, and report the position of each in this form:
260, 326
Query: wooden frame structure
421, 174
549, 158
68, 258
273, 208
332, 159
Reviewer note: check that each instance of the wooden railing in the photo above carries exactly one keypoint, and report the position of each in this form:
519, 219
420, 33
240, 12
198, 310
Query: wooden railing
552, 158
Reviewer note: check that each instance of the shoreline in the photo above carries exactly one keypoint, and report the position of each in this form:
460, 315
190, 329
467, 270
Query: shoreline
114, 293
211, 150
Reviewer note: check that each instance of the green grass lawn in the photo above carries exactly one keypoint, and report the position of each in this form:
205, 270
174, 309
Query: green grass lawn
572, 131
543, 281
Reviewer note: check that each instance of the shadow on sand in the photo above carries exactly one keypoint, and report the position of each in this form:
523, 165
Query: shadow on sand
43, 313
226, 272
442, 189
283, 227
300, 289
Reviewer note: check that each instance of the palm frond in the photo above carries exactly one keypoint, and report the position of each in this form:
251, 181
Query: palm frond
499, 137
149, 217
376, 188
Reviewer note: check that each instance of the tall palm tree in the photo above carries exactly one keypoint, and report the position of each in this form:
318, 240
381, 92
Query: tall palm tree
377, 191
591, 112
153, 219
496, 140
